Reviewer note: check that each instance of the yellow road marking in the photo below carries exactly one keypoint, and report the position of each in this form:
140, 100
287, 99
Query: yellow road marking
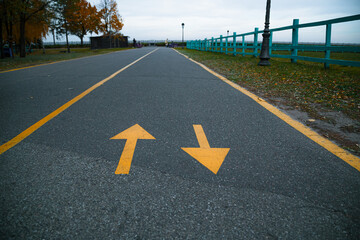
131, 135
6, 146
200, 135
43, 64
349, 158
211, 158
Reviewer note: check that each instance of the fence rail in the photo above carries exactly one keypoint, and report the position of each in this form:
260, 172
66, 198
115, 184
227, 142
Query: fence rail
232, 45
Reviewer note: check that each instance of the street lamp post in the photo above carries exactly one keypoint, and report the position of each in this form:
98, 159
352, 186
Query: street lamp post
264, 54
182, 25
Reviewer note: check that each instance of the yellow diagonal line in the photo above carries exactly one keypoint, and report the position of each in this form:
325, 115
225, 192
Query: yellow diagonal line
6, 146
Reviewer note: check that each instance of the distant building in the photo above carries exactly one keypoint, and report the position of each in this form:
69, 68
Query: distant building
109, 42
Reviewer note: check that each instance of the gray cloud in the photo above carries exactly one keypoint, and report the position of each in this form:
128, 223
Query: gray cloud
161, 19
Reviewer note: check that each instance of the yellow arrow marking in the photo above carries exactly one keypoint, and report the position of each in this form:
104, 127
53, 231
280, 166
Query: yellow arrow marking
131, 135
212, 158
200, 135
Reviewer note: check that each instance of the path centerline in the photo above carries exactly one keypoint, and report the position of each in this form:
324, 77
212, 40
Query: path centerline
27, 132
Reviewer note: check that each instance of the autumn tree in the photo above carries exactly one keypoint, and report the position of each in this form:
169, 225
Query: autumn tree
9, 11
64, 10
18, 15
1, 30
35, 10
84, 19
35, 29
52, 28
111, 20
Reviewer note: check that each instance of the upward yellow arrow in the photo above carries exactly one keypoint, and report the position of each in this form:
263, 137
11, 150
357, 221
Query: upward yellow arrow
131, 135
212, 158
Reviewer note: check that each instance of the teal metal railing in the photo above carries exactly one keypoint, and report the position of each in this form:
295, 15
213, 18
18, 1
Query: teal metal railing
232, 45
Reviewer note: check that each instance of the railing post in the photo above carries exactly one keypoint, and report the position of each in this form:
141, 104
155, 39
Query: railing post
243, 46
234, 44
206, 45
212, 44
226, 45
270, 42
221, 43
327, 44
255, 42
295, 40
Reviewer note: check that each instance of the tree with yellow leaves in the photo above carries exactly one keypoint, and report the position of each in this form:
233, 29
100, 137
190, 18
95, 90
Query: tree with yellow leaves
84, 19
111, 21
23, 21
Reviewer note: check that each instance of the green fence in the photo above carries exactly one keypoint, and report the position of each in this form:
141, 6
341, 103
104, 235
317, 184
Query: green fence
236, 44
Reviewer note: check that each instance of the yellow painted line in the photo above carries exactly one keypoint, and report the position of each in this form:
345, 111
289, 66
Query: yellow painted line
211, 158
43, 64
131, 135
6, 146
349, 158
201, 137
38, 65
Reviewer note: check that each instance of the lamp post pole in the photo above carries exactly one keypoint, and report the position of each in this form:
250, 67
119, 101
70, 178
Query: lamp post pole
264, 55
182, 43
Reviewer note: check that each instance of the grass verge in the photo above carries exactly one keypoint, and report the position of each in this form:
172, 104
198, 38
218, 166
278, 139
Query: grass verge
51, 55
330, 98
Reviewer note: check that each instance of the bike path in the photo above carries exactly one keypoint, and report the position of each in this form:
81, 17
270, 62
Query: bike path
273, 183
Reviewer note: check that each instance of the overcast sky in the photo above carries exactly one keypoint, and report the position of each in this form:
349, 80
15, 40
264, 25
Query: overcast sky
161, 19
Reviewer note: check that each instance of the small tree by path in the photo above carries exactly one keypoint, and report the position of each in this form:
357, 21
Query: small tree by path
84, 19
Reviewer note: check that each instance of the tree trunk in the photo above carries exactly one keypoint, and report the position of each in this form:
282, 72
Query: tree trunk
1, 39
43, 46
11, 47
67, 39
53, 33
9, 31
22, 36
11, 43
83, 33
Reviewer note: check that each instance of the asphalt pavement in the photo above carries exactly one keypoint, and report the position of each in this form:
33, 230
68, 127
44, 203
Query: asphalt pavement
60, 181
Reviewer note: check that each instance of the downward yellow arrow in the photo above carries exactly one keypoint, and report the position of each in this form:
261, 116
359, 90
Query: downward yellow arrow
212, 158
131, 135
